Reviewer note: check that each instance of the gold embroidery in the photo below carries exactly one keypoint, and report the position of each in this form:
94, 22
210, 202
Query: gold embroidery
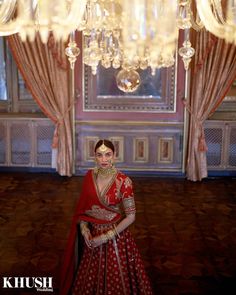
103, 195
127, 182
100, 213
118, 183
129, 205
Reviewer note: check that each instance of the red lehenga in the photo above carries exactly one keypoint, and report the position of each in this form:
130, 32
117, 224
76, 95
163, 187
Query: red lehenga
115, 267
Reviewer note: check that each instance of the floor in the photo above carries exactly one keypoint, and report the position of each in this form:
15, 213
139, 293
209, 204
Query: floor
186, 231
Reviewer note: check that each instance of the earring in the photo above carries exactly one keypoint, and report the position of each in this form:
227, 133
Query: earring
112, 163
95, 167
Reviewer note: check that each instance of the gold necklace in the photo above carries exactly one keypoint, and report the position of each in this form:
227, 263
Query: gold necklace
105, 172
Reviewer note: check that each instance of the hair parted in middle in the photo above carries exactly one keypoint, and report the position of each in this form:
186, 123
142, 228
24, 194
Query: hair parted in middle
106, 142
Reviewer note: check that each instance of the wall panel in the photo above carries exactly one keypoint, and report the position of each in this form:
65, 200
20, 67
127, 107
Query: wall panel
140, 147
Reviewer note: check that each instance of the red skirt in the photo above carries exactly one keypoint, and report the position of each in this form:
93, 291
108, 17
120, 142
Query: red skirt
114, 268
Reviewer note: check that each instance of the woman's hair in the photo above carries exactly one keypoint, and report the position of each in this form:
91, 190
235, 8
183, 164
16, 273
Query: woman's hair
106, 142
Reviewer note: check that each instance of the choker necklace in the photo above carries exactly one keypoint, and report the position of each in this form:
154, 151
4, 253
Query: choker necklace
105, 172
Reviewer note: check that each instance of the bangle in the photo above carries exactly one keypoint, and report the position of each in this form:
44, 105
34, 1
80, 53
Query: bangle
110, 234
103, 238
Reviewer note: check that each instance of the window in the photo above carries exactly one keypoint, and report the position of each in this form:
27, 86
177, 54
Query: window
14, 96
3, 86
227, 109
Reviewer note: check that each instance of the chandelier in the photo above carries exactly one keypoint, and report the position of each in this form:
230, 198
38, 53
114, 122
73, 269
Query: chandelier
27, 17
124, 34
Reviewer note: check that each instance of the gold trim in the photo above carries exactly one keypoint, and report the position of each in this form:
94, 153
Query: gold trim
101, 195
129, 205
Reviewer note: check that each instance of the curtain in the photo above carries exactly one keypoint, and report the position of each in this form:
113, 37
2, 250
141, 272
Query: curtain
45, 70
213, 73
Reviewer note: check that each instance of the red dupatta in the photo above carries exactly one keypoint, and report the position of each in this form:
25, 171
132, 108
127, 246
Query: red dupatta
92, 206
89, 207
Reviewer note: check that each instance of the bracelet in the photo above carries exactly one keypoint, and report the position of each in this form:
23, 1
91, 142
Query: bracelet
110, 234
103, 238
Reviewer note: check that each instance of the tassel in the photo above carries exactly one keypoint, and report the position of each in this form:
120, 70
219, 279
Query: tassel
55, 142
202, 146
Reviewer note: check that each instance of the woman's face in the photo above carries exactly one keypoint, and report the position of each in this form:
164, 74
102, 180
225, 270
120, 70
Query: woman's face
104, 157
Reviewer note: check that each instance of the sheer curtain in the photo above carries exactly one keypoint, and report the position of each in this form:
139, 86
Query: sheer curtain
213, 74
46, 73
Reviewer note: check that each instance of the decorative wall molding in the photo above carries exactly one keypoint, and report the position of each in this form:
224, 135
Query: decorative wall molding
89, 145
128, 123
165, 149
118, 142
140, 147
140, 150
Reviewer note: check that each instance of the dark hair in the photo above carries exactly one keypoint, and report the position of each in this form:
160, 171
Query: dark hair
106, 142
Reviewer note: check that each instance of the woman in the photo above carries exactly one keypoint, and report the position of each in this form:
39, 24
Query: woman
110, 263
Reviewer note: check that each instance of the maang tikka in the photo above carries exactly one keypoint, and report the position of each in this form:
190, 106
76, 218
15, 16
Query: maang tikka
103, 148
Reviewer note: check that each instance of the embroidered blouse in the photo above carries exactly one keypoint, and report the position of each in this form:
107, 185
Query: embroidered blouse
108, 206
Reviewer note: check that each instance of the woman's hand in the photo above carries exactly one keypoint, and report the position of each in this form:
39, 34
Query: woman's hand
97, 241
88, 238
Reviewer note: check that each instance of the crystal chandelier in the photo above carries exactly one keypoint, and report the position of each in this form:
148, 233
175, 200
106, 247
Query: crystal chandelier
27, 17
129, 35
138, 34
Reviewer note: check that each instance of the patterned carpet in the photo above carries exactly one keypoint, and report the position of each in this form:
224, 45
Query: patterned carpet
186, 231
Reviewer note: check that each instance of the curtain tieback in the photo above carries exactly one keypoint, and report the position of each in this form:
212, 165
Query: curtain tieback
202, 146
55, 139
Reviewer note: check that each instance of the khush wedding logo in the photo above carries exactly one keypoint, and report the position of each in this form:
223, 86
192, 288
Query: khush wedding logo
39, 283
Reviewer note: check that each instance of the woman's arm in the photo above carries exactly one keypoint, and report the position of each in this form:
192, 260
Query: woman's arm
86, 233
101, 239
126, 222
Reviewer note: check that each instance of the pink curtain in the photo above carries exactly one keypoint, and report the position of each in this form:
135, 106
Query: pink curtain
45, 70
213, 73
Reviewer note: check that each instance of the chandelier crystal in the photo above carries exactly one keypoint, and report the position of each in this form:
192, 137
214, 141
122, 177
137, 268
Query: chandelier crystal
128, 80
72, 51
129, 35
